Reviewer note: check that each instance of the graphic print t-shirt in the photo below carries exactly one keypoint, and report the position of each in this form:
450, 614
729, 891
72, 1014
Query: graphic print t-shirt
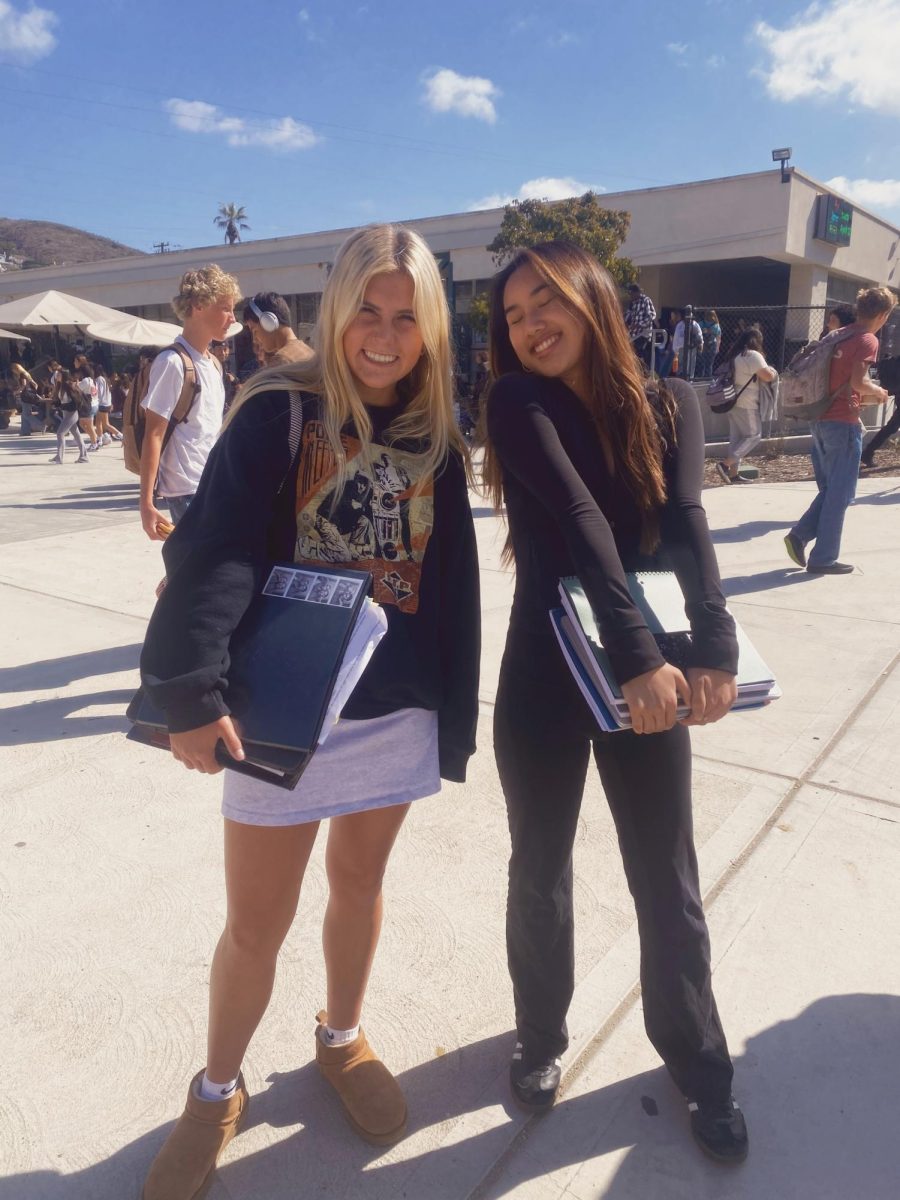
372, 520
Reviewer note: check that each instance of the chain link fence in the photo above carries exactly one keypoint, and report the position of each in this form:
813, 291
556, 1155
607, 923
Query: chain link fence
785, 329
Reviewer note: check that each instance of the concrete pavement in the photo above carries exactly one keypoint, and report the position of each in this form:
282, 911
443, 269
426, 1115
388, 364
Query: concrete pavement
110, 877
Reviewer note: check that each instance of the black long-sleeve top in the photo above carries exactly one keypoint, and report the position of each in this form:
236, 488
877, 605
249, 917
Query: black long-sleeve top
245, 516
568, 515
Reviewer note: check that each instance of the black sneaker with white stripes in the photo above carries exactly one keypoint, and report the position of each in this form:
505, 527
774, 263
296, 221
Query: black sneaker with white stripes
534, 1089
719, 1129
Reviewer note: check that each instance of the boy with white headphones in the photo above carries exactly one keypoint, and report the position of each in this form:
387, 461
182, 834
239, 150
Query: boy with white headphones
268, 318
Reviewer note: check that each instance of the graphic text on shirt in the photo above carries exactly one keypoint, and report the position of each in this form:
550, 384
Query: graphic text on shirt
375, 523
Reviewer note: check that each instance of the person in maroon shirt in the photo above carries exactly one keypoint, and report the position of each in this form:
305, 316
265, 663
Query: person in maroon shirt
837, 438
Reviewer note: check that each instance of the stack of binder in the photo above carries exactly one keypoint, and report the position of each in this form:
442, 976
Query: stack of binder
659, 597
295, 658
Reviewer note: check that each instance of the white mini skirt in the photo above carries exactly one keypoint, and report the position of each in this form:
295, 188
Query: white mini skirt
362, 765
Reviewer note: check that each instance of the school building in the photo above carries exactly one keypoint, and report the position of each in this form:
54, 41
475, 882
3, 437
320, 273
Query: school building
756, 240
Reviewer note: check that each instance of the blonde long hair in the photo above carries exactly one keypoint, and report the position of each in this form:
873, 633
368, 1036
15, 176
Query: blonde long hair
427, 417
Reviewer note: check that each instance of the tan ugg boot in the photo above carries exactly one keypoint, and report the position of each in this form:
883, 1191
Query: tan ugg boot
373, 1102
183, 1168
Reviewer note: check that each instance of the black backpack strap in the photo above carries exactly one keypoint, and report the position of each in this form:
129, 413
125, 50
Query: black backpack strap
295, 434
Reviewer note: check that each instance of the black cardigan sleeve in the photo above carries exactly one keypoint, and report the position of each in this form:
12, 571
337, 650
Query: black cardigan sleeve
214, 561
687, 543
529, 448
460, 623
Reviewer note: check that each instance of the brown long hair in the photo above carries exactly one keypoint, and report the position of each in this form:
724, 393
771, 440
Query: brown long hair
633, 418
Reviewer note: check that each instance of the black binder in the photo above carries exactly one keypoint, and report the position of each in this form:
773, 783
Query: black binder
285, 657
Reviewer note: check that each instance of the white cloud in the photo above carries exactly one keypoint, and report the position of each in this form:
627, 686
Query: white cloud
843, 47
26, 34
563, 38
873, 193
467, 95
715, 62
276, 133
679, 49
545, 188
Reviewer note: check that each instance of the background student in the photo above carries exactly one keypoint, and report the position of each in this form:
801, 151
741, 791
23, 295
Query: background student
67, 397
596, 473
205, 306
837, 438
745, 419
379, 484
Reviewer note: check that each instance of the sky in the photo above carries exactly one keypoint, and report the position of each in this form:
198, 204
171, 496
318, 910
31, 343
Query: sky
136, 120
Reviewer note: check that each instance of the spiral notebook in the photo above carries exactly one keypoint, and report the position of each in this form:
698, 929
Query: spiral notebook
659, 597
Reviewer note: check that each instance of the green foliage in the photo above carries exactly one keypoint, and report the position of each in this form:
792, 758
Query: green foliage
232, 218
581, 219
478, 314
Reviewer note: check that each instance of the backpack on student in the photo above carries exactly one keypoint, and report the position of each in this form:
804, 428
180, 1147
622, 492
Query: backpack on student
805, 392
720, 392
134, 421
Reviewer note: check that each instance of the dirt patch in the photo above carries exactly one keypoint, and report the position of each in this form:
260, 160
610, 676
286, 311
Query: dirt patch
795, 468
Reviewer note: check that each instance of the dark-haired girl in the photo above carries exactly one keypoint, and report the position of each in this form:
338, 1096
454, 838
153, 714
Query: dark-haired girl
598, 472
745, 419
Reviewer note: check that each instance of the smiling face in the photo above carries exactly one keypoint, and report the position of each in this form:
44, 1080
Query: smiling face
383, 343
547, 337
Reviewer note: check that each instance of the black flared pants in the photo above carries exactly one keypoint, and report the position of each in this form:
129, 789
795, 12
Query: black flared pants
543, 737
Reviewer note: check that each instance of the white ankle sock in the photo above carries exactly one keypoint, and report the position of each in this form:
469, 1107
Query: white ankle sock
338, 1037
216, 1091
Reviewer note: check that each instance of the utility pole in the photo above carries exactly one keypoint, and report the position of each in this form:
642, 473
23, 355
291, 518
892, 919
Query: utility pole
161, 247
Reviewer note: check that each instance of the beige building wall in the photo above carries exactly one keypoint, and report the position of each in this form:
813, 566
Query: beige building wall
707, 242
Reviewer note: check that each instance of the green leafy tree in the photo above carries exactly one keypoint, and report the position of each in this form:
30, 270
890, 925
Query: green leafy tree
478, 314
232, 218
581, 219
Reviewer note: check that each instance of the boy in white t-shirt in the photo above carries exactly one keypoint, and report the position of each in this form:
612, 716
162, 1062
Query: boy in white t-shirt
205, 304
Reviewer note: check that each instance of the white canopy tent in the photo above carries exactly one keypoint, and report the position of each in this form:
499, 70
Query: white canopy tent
19, 337
126, 330
54, 310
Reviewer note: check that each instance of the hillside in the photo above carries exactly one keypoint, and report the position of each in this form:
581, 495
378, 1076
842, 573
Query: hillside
45, 244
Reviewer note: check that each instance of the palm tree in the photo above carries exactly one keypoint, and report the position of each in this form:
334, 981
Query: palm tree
232, 219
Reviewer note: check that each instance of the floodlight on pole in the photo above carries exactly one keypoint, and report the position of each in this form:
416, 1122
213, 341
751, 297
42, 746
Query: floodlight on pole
783, 156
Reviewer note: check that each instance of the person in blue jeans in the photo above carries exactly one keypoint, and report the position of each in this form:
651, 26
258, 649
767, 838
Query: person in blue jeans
837, 439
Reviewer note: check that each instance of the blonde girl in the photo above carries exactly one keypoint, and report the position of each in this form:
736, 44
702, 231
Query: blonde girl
379, 483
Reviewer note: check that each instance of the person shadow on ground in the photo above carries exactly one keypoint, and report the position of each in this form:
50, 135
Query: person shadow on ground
819, 1092
51, 719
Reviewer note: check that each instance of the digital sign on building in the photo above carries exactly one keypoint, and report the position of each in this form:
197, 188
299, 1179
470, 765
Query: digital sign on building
834, 220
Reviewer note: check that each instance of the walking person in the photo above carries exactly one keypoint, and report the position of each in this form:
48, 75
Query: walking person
712, 341
597, 469
745, 418
174, 454
379, 451
88, 406
67, 397
889, 378
104, 407
837, 437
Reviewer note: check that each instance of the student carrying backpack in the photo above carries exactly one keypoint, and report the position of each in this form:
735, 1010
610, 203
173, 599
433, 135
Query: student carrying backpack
134, 420
832, 404
805, 392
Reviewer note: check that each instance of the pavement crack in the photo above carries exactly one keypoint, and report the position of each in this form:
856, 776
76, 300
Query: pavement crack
593, 1046
72, 600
